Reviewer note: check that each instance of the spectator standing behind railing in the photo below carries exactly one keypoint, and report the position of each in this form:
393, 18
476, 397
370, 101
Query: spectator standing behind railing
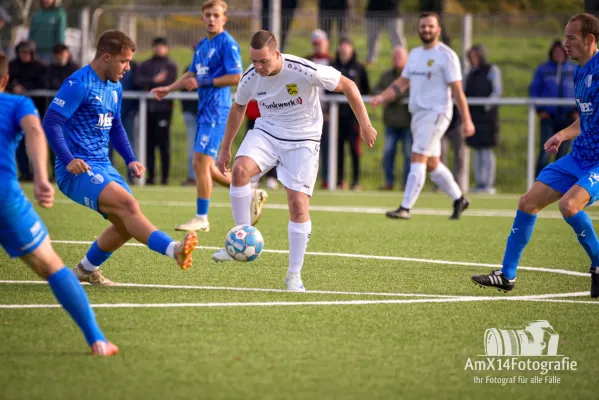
61, 67
320, 55
483, 80
397, 119
330, 11
155, 72
190, 111
347, 63
382, 14
26, 73
554, 79
48, 27
287, 9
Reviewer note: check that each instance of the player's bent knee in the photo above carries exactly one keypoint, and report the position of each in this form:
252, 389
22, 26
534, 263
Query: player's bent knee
241, 174
569, 206
528, 204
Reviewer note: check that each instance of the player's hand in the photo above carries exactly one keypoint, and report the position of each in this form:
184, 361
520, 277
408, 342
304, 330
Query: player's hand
468, 129
44, 193
160, 77
368, 135
78, 166
160, 92
224, 158
376, 101
137, 169
552, 145
191, 84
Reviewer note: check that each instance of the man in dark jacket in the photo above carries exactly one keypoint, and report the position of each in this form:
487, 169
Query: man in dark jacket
347, 63
157, 71
26, 73
383, 14
554, 78
61, 68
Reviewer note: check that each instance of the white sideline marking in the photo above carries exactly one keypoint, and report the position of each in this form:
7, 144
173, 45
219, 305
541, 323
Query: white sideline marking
567, 301
357, 209
299, 303
372, 257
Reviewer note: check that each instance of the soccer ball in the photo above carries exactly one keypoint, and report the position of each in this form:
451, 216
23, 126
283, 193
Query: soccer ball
244, 243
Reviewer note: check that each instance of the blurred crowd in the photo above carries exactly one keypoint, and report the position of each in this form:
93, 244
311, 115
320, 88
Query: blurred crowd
43, 61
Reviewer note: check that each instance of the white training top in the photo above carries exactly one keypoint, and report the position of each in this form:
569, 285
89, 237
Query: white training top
289, 101
430, 72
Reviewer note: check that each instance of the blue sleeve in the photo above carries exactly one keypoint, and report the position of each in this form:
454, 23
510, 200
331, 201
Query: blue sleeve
232, 58
52, 124
120, 141
70, 96
25, 108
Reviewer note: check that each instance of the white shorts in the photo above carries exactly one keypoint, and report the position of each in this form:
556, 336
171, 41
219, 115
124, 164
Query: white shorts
296, 162
428, 127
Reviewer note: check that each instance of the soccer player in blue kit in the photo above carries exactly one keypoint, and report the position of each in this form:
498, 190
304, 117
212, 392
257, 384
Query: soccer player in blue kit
22, 232
573, 179
216, 66
83, 117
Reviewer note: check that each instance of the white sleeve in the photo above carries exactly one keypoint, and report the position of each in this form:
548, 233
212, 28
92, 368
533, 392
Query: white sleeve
244, 93
404, 72
453, 73
326, 77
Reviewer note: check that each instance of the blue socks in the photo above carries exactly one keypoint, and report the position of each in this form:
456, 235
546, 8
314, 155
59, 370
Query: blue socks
587, 237
202, 206
70, 294
160, 242
94, 257
520, 234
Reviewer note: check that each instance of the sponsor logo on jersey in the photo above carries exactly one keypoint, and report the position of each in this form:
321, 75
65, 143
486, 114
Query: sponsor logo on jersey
430, 63
105, 120
585, 108
201, 69
292, 88
290, 103
261, 93
59, 102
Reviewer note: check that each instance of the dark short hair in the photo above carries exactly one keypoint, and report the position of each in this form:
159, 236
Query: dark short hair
114, 42
262, 39
159, 41
59, 48
430, 14
589, 25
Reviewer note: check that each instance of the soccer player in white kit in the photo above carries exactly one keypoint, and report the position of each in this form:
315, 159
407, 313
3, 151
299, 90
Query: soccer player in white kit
433, 74
286, 136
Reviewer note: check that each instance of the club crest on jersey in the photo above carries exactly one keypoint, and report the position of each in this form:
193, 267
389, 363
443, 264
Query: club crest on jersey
292, 89
588, 80
430, 63
115, 97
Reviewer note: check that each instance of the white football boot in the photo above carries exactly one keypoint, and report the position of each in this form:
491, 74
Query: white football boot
194, 225
259, 197
221, 256
294, 283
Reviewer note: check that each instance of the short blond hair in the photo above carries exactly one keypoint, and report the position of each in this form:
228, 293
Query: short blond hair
213, 3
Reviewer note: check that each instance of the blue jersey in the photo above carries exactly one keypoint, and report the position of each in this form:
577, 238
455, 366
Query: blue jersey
214, 58
586, 81
13, 109
89, 104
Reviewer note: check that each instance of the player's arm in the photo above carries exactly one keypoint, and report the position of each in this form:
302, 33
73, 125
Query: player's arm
399, 86
226, 80
462, 104
569, 133
234, 121
354, 98
163, 91
37, 150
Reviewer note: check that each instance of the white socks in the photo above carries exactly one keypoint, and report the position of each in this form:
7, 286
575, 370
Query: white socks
87, 265
443, 177
416, 179
241, 201
299, 234
170, 250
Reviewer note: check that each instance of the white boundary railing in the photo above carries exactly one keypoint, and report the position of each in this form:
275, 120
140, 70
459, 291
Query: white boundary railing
334, 101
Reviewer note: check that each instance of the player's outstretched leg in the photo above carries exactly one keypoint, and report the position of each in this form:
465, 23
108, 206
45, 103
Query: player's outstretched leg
119, 204
70, 294
538, 197
444, 179
299, 230
571, 206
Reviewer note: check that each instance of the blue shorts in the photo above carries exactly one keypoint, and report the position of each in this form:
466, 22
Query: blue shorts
566, 172
21, 229
86, 188
209, 138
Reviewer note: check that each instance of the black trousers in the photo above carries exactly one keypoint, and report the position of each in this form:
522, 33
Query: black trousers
348, 133
159, 136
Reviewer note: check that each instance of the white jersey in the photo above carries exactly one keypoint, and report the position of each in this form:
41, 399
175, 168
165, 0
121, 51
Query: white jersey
289, 101
430, 72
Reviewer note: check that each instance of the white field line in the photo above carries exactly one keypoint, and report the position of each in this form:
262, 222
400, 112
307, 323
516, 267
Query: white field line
355, 209
370, 257
295, 303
